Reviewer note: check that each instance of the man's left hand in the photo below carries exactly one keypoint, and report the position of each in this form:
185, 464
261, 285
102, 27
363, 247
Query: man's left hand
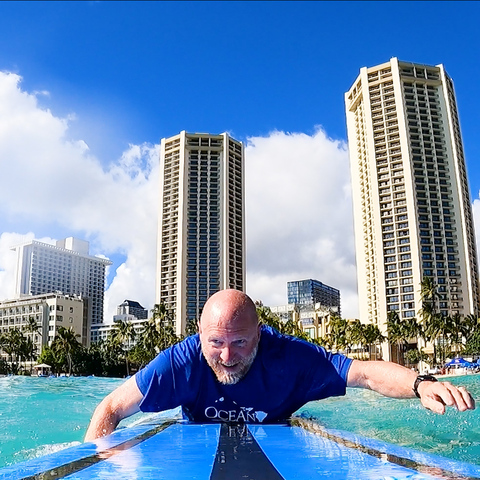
436, 395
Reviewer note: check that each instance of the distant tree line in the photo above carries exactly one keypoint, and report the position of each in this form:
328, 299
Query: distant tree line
450, 335
125, 351
343, 334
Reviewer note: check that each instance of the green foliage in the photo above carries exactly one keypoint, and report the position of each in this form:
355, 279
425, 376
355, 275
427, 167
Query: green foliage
447, 333
4, 367
49, 357
121, 336
414, 356
267, 317
191, 327
472, 347
342, 335
65, 347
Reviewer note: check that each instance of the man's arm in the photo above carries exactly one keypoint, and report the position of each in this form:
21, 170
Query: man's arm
393, 380
121, 403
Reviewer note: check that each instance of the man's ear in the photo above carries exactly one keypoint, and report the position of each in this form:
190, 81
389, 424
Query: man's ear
199, 326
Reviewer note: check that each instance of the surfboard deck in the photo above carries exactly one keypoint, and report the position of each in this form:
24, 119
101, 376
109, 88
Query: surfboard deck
177, 450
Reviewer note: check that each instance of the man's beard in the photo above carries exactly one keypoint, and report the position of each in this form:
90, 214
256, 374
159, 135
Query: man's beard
231, 378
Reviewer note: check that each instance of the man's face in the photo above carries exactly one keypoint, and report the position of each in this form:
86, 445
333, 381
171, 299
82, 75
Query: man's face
229, 347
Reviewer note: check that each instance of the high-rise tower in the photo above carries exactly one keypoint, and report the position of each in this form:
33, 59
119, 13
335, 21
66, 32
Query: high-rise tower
201, 236
412, 207
66, 267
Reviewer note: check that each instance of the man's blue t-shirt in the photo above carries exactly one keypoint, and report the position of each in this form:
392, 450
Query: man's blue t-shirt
286, 373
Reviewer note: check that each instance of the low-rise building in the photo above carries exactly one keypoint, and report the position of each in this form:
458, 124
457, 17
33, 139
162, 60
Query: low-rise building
128, 311
130, 307
50, 311
312, 318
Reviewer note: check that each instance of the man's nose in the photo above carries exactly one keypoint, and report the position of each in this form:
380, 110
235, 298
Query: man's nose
226, 354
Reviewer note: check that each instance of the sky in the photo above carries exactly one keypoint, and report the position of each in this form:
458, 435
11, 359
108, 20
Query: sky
88, 89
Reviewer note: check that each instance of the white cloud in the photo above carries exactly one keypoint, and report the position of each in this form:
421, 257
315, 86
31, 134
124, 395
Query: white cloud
299, 219
59, 183
298, 204
299, 216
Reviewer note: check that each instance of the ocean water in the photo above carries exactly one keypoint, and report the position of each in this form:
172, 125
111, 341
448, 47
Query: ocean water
43, 415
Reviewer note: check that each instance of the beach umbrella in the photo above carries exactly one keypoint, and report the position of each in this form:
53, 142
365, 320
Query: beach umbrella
459, 362
42, 365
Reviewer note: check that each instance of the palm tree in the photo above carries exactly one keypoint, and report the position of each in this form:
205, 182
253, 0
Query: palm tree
29, 351
150, 338
163, 320
338, 335
433, 329
356, 333
372, 336
429, 295
395, 333
66, 343
12, 346
471, 325
415, 356
432, 322
267, 317
32, 327
123, 333
191, 327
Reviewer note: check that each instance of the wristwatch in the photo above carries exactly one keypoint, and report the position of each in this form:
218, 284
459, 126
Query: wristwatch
422, 378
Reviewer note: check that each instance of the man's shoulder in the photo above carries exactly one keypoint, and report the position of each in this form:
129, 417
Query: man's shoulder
272, 339
188, 347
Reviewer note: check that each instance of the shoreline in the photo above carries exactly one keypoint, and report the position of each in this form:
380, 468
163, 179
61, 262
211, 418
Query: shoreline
454, 375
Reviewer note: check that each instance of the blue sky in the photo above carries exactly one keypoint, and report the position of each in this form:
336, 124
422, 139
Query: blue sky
119, 76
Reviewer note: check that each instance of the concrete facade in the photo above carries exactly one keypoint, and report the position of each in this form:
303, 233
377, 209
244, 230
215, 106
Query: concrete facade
201, 237
312, 318
412, 207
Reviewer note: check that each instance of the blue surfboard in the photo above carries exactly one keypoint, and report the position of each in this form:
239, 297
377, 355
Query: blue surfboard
301, 449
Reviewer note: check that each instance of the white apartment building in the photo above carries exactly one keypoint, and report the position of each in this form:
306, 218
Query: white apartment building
102, 331
412, 208
201, 238
65, 267
50, 312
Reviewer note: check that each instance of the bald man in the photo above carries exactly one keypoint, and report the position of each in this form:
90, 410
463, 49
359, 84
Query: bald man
237, 371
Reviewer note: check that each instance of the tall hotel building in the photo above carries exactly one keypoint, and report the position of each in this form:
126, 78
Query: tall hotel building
65, 267
201, 238
412, 208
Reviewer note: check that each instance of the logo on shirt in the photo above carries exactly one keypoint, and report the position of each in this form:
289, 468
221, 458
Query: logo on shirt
239, 414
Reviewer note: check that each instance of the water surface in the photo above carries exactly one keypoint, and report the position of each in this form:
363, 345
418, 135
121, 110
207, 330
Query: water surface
42, 415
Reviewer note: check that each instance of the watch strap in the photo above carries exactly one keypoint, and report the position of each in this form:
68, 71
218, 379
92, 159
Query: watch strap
422, 378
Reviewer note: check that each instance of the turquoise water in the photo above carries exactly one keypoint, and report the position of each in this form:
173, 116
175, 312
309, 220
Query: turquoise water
42, 415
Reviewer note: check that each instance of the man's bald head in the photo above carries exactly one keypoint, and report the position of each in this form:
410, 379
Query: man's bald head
229, 335
229, 307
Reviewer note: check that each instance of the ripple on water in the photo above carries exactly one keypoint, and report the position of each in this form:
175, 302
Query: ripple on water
405, 422
42, 414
